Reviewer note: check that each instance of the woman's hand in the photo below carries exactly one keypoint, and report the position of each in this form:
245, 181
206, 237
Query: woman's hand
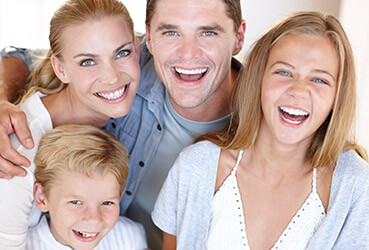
13, 120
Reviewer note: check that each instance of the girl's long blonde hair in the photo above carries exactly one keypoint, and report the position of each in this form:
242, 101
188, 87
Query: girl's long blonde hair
336, 134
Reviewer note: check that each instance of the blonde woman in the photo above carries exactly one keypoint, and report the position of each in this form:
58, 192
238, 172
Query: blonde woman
90, 74
286, 173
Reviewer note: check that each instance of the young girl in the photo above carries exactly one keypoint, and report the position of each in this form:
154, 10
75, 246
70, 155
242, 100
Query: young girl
286, 173
91, 73
80, 175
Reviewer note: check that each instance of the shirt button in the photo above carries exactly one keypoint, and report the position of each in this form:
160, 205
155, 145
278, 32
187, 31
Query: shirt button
141, 163
128, 192
158, 127
113, 125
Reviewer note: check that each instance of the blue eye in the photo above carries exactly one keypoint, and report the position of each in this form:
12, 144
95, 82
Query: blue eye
76, 202
87, 62
170, 33
209, 33
107, 203
124, 53
283, 73
319, 80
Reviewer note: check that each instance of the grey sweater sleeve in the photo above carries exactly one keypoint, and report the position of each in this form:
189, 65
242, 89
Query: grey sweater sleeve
346, 225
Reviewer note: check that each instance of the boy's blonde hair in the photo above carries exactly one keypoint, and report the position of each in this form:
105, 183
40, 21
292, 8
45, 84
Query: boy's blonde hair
79, 148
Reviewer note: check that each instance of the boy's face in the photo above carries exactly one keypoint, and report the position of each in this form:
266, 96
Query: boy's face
82, 209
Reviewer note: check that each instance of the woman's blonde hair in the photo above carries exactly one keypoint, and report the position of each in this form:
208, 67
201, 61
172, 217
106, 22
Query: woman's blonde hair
337, 133
79, 148
73, 12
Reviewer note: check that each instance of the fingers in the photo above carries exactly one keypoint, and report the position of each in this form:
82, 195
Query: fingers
21, 129
8, 155
4, 175
9, 170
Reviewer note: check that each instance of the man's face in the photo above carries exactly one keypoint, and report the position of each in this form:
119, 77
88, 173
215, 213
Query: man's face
192, 43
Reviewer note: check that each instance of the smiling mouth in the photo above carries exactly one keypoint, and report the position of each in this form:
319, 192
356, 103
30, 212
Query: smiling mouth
293, 116
113, 95
190, 75
84, 235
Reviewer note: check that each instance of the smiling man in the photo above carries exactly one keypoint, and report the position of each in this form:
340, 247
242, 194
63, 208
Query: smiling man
187, 71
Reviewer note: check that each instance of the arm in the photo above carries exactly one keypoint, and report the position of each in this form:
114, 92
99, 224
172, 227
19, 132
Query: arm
13, 74
169, 241
13, 77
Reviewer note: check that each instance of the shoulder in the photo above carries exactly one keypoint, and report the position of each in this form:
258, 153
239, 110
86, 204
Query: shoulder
350, 163
200, 150
352, 173
125, 234
129, 226
199, 157
39, 236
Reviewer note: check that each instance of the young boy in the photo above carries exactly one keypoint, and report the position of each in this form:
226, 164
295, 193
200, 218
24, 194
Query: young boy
80, 175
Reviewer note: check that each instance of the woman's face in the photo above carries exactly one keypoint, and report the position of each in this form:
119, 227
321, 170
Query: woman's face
299, 87
100, 63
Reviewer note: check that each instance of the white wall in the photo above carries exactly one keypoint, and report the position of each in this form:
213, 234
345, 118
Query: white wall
355, 19
260, 15
25, 23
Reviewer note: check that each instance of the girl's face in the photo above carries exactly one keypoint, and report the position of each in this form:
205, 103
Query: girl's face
299, 87
100, 63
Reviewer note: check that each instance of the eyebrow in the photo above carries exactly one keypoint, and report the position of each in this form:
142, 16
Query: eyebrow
324, 72
94, 55
215, 27
113, 198
284, 63
164, 26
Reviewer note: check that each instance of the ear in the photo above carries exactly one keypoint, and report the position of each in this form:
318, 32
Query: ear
59, 69
148, 39
240, 38
39, 197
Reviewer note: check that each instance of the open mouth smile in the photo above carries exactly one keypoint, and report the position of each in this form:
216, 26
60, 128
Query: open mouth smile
293, 116
84, 236
190, 75
112, 95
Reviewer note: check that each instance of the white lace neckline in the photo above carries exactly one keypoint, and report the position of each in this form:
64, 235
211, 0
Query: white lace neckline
311, 207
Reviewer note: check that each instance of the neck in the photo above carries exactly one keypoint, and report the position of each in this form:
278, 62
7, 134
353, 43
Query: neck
275, 161
63, 109
215, 107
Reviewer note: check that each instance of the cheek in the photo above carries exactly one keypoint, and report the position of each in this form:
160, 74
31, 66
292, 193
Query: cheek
111, 216
83, 76
163, 46
217, 51
324, 102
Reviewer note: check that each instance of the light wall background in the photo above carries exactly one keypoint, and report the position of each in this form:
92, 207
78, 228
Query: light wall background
25, 23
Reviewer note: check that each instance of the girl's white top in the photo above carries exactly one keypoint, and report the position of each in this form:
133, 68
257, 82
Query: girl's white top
228, 230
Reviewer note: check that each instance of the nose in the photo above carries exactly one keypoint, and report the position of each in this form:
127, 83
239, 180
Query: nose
298, 89
92, 215
110, 73
189, 48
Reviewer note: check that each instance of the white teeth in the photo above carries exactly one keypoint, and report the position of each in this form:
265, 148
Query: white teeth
290, 121
292, 111
86, 235
192, 71
115, 95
